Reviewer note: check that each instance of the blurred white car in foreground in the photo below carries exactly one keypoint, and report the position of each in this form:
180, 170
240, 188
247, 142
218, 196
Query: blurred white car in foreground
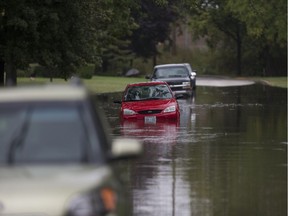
55, 154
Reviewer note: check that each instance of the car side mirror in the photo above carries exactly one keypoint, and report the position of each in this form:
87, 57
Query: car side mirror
125, 148
148, 77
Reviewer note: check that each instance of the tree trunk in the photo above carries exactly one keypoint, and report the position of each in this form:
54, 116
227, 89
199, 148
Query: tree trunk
154, 60
50, 76
11, 72
239, 53
2, 72
174, 38
104, 65
267, 61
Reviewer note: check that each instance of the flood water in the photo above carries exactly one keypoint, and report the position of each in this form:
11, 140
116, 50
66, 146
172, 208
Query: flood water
227, 157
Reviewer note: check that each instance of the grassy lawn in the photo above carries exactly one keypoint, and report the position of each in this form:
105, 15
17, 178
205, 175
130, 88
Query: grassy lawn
104, 84
273, 81
101, 84
98, 84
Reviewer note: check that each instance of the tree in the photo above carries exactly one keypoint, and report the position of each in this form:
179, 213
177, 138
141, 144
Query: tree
58, 34
2, 13
17, 34
251, 25
69, 35
263, 18
214, 21
154, 19
266, 24
115, 48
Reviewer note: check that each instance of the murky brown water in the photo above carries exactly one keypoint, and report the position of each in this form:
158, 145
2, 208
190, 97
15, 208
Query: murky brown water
228, 156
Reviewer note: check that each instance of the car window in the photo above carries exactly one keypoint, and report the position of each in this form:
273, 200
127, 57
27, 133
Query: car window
169, 72
43, 134
135, 93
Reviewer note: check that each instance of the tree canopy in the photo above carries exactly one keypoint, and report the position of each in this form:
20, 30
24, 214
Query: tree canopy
58, 34
256, 29
154, 19
63, 35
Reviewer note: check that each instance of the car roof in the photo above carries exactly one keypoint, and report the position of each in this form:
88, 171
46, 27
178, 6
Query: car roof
150, 83
42, 93
172, 65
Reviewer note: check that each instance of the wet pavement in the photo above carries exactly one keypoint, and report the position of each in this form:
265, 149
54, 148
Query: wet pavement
226, 157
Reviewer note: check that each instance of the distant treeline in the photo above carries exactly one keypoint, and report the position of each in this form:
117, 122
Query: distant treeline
60, 36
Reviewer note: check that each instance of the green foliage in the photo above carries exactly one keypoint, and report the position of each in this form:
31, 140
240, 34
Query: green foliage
204, 62
247, 35
69, 32
154, 19
65, 35
151, 25
263, 19
114, 49
60, 35
86, 72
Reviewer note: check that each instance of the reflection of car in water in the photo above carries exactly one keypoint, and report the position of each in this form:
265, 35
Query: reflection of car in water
55, 154
149, 101
161, 132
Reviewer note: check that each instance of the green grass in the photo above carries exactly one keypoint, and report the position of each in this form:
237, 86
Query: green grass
105, 84
98, 84
274, 81
102, 84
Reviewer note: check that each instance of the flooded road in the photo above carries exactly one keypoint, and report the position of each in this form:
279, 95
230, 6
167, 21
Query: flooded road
226, 157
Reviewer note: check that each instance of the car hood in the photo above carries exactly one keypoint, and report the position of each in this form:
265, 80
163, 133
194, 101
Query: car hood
45, 189
148, 104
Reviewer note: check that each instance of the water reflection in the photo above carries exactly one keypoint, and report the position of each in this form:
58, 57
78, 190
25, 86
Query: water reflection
227, 156
160, 132
153, 188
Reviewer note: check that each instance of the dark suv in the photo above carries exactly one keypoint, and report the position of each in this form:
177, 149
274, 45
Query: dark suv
180, 77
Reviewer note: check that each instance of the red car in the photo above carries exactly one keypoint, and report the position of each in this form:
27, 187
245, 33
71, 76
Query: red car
149, 101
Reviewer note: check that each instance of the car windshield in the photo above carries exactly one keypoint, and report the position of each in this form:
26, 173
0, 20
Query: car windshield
147, 92
45, 134
168, 72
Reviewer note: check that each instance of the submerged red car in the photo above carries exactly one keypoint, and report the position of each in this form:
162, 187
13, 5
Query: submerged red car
149, 101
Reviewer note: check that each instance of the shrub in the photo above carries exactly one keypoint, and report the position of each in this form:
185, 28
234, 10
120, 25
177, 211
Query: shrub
86, 72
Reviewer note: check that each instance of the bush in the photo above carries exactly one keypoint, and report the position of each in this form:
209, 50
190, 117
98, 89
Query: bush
86, 72
23, 73
198, 59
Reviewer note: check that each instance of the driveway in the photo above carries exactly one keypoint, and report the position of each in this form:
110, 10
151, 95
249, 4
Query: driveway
221, 81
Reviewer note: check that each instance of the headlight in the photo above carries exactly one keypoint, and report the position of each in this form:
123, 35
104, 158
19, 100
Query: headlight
170, 109
186, 85
93, 204
128, 112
